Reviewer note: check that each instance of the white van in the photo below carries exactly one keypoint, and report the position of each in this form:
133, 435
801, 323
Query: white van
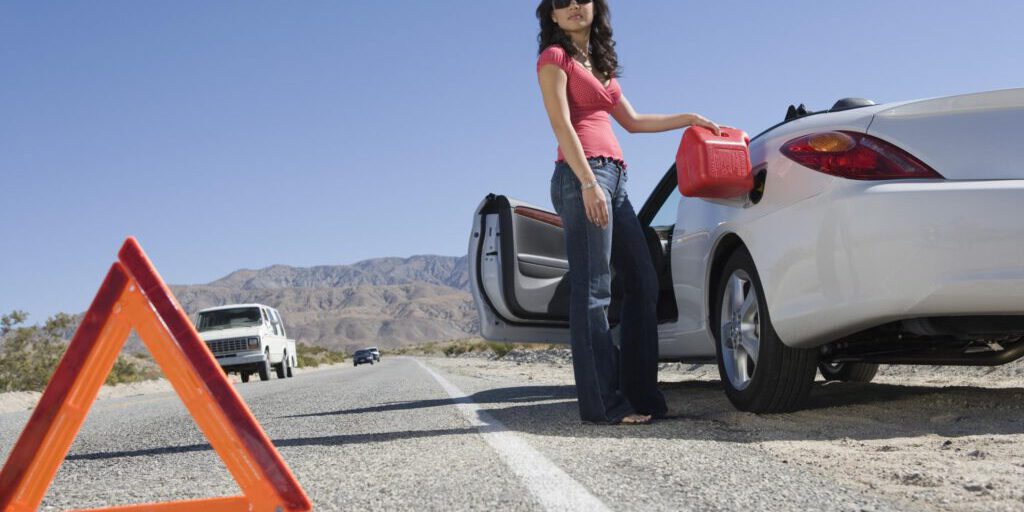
247, 339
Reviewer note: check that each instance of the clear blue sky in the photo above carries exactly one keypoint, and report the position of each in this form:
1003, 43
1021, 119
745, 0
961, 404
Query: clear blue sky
231, 135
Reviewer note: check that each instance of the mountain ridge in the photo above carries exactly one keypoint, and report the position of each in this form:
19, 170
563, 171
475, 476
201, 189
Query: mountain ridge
444, 270
388, 302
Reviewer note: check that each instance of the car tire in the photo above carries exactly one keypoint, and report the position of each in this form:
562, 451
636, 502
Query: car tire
848, 372
245, 376
280, 368
288, 369
779, 377
264, 369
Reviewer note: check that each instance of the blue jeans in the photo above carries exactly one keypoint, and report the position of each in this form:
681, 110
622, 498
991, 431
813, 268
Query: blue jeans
610, 383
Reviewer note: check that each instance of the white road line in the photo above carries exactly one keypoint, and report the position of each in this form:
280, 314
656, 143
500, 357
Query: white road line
552, 487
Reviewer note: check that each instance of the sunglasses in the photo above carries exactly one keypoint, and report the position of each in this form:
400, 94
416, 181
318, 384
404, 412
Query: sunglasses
562, 4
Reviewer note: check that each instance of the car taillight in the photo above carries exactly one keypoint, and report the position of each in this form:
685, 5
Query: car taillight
856, 156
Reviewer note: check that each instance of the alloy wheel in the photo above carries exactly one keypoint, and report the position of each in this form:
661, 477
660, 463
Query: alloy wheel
740, 329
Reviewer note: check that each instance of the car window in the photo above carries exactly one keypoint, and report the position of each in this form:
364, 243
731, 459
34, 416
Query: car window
274, 322
666, 215
227, 319
278, 323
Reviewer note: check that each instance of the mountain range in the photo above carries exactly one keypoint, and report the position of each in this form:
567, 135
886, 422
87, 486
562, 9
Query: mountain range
387, 302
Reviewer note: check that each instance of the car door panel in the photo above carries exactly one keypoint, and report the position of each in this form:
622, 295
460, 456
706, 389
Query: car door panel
518, 272
523, 262
521, 287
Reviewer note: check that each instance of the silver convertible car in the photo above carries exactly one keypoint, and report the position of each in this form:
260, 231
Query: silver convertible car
888, 233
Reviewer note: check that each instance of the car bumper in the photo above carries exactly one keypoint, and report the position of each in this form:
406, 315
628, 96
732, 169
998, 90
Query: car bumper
243, 360
867, 253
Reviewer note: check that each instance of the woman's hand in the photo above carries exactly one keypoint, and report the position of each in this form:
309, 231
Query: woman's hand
699, 120
595, 205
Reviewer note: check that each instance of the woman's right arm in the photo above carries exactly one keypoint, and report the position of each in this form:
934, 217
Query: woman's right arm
553, 83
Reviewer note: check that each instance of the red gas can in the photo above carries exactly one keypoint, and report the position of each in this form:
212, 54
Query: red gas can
712, 166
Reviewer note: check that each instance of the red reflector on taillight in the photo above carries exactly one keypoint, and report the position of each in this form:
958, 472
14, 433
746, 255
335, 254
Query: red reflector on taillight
856, 156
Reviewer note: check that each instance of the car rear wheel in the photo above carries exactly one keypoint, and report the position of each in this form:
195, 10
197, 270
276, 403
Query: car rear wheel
288, 369
280, 369
848, 372
760, 373
245, 376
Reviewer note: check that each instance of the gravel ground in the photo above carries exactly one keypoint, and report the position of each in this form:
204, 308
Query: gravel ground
26, 400
931, 438
388, 437
344, 432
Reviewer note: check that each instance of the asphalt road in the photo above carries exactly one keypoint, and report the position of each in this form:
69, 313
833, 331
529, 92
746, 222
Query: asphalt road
401, 435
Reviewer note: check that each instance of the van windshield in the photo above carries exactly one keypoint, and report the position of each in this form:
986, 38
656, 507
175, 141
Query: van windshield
228, 318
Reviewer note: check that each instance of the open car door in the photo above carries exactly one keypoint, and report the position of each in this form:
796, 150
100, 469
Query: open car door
519, 272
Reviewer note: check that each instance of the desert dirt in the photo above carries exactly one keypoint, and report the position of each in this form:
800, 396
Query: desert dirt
25, 400
934, 438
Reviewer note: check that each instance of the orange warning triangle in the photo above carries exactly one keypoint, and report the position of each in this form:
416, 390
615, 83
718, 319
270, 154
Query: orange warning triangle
134, 296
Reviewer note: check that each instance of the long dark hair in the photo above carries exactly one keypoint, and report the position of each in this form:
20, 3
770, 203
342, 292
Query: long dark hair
602, 46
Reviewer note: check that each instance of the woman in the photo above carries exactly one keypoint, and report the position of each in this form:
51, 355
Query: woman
577, 70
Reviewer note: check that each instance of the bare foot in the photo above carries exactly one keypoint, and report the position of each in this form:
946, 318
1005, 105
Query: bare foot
635, 419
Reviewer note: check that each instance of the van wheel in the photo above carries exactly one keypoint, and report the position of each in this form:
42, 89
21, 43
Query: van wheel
760, 373
245, 376
288, 369
848, 372
264, 369
280, 367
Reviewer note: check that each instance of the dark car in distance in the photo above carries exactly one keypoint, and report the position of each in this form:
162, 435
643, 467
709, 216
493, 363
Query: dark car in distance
362, 356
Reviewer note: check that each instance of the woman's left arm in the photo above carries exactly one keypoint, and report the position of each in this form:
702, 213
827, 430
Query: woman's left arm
651, 123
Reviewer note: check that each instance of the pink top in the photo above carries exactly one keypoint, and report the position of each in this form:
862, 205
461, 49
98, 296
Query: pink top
590, 101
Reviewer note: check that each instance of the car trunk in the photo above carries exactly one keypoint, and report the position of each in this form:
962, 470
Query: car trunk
969, 137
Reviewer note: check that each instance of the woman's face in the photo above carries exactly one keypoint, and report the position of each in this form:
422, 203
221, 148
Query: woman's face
574, 18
